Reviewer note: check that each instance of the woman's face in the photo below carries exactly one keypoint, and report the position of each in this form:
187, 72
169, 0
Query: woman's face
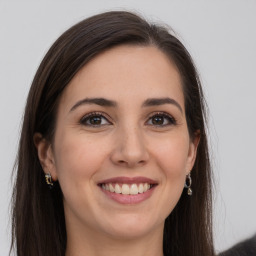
121, 149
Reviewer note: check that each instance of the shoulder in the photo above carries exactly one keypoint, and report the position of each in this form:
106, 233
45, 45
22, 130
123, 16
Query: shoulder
244, 248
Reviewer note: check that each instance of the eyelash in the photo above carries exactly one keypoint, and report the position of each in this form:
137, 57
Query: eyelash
100, 115
171, 120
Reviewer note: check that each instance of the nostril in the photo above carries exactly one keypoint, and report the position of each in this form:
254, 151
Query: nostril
129, 154
131, 163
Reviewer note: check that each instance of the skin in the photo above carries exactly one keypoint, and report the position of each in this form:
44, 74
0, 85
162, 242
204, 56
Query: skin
127, 142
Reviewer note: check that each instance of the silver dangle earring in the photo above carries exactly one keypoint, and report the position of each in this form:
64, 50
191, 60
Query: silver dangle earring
49, 181
188, 183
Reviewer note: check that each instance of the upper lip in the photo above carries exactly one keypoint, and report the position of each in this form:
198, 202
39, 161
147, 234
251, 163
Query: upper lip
128, 180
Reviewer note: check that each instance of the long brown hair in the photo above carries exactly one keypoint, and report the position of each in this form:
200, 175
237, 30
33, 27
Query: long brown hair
38, 216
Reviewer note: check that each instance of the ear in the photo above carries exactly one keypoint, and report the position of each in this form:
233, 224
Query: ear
192, 152
45, 155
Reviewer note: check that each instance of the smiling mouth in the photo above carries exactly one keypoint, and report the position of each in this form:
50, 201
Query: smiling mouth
127, 189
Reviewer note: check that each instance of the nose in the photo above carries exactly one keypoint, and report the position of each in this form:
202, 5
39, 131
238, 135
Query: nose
129, 148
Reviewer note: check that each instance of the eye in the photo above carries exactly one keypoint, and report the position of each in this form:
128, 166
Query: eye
94, 119
161, 119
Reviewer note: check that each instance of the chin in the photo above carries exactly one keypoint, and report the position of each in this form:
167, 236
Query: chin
132, 227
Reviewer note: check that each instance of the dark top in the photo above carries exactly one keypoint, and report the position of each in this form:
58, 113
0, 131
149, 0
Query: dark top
244, 248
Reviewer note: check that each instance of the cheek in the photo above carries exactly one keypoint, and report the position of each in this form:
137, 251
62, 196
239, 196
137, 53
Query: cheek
77, 159
172, 156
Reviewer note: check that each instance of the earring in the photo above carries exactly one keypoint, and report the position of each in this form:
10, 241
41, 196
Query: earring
48, 179
188, 184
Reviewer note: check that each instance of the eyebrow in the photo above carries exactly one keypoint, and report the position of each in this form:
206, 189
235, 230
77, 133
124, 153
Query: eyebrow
98, 101
110, 103
161, 101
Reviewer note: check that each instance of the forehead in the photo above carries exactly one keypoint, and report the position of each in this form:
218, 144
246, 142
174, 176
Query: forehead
126, 71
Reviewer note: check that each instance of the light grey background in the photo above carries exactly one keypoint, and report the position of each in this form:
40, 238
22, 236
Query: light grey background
221, 37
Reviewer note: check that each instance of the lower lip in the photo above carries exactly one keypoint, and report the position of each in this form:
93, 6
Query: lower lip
129, 199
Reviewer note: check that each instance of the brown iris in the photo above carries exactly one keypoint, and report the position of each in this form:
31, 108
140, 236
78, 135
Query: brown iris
95, 120
157, 120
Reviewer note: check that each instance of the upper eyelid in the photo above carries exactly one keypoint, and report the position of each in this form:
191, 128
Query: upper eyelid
96, 113
161, 113
109, 119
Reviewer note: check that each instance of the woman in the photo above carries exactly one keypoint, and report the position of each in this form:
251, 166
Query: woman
114, 129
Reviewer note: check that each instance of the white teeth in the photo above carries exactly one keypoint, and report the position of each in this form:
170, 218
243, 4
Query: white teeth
145, 187
141, 190
134, 189
118, 189
111, 188
127, 189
